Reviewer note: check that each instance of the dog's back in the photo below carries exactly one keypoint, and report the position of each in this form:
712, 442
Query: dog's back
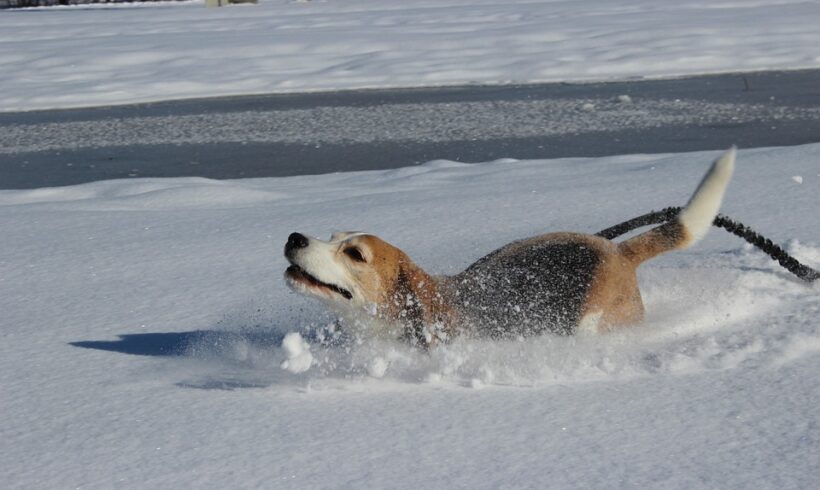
562, 281
530, 286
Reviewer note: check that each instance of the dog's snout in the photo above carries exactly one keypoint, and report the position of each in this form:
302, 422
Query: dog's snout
296, 241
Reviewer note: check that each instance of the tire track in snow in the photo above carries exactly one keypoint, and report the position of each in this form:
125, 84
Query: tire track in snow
431, 123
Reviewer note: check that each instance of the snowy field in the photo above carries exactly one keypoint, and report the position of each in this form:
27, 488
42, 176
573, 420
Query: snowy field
142, 321
142, 325
96, 55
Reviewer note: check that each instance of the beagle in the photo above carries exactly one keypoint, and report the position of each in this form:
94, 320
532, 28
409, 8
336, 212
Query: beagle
557, 282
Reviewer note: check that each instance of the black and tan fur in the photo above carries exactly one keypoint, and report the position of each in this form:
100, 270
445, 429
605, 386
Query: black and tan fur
557, 282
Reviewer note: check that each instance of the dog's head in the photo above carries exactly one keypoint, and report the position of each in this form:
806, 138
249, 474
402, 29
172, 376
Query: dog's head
366, 273
349, 269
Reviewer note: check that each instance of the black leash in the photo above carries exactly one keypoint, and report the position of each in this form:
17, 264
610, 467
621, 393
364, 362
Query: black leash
791, 264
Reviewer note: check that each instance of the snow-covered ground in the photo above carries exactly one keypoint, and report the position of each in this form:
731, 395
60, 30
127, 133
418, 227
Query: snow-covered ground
142, 325
94, 55
147, 339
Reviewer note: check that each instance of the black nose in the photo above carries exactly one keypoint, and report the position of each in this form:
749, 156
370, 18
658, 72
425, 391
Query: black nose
296, 240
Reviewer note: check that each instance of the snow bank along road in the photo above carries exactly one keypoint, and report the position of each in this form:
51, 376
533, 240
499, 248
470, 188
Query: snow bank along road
281, 135
105, 55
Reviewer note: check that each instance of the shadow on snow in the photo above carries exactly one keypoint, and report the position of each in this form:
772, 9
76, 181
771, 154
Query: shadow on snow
175, 344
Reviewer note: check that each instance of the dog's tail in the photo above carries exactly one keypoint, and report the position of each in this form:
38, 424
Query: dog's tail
692, 223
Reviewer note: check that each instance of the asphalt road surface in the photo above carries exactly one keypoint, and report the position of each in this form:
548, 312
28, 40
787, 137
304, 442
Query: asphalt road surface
298, 134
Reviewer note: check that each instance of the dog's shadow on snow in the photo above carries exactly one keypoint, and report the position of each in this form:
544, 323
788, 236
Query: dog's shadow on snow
146, 344
176, 344
225, 363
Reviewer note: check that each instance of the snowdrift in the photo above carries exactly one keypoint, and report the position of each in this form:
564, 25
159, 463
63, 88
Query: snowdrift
149, 339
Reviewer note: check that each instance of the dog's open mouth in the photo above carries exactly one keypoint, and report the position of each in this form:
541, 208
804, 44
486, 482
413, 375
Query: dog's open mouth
296, 273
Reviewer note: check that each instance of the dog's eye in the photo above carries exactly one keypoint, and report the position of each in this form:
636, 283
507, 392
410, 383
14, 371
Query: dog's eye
355, 254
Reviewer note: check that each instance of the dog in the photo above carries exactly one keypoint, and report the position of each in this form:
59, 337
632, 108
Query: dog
558, 282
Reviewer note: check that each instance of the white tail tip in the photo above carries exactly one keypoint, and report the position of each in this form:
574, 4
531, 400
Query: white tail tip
702, 208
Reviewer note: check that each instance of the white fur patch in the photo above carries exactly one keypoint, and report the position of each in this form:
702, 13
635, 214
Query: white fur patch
702, 208
589, 323
320, 261
338, 236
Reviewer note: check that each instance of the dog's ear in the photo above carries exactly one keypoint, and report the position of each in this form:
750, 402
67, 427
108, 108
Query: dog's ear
419, 307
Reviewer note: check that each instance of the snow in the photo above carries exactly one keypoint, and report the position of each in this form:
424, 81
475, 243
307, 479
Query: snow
96, 55
149, 340
297, 352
